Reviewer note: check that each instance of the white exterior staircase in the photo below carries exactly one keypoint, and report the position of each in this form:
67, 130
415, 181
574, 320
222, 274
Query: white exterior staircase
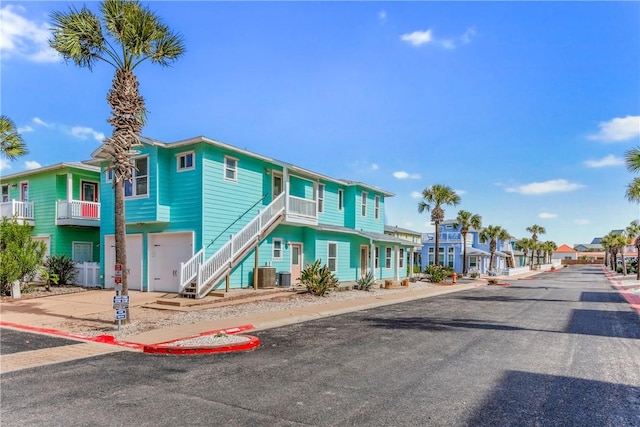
199, 276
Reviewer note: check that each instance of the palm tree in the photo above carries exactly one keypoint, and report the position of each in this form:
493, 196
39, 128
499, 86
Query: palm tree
606, 243
126, 35
632, 161
466, 220
12, 145
433, 198
524, 245
633, 191
492, 234
535, 230
548, 247
633, 231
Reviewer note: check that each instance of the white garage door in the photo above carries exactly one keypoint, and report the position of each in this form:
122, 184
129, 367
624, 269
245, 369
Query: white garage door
166, 252
47, 242
134, 261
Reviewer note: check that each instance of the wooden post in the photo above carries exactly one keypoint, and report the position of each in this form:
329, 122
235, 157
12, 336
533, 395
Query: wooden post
227, 282
255, 269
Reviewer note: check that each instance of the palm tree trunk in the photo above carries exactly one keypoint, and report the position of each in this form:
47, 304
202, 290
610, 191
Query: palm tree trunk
464, 254
121, 233
637, 262
624, 264
437, 248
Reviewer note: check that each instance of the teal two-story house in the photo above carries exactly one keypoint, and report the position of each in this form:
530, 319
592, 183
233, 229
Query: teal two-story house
202, 214
61, 203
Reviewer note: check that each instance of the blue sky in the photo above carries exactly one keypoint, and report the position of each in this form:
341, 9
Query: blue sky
525, 109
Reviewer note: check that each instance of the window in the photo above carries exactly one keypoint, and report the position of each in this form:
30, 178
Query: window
24, 191
5, 193
401, 258
108, 175
82, 252
430, 259
340, 199
277, 185
387, 263
230, 169
277, 249
139, 184
364, 204
320, 198
376, 207
440, 256
450, 256
332, 257
377, 257
185, 161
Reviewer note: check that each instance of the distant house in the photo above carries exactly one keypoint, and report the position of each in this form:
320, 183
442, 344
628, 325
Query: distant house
61, 203
202, 214
414, 255
564, 252
588, 247
478, 253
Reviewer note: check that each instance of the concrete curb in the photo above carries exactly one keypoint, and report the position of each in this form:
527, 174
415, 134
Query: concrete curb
630, 297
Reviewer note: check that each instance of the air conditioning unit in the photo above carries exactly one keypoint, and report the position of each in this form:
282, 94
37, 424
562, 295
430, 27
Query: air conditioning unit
266, 277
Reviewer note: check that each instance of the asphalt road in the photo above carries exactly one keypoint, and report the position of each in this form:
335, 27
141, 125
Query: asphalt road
560, 350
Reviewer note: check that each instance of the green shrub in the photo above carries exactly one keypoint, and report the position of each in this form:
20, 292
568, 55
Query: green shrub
20, 257
318, 280
63, 267
436, 273
48, 278
366, 282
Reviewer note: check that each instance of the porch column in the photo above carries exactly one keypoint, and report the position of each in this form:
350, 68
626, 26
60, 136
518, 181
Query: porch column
69, 187
396, 275
411, 262
372, 260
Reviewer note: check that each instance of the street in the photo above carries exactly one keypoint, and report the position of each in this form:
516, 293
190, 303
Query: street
562, 349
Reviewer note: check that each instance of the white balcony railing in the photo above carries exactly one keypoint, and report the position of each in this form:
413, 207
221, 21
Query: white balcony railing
446, 237
21, 210
78, 212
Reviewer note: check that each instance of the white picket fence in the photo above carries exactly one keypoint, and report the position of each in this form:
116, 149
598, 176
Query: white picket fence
88, 274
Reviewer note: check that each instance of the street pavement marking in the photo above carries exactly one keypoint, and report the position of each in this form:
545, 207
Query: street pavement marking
47, 356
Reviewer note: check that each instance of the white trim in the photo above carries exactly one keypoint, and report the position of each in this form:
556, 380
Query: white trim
320, 200
184, 155
108, 178
363, 204
234, 169
388, 257
21, 192
376, 207
134, 177
340, 199
2, 194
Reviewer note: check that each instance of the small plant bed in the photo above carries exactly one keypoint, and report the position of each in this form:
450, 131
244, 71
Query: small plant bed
39, 290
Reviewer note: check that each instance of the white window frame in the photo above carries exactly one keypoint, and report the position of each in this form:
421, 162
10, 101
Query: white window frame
73, 249
134, 177
363, 204
24, 195
108, 175
5, 194
276, 249
320, 201
340, 199
388, 257
376, 207
376, 252
401, 258
332, 258
180, 157
228, 168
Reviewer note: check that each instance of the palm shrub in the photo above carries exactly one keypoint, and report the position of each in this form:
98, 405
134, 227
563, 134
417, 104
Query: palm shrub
318, 280
63, 267
366, 282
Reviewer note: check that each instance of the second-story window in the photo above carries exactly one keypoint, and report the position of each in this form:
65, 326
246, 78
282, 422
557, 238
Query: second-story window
376, 208
185, 161
387, 263
139, 184
401, 258
363, 210
320, 198
5, 193
332, 257
108, 175
230, 169
340, 199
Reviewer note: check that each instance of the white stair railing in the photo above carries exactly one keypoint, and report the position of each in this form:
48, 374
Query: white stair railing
189, 269
212, 270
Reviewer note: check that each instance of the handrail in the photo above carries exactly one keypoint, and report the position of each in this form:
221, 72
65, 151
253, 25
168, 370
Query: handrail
236, 220
189, 269
222, 260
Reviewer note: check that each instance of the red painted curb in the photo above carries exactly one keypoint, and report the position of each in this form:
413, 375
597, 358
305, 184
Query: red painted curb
254, 342
630, 297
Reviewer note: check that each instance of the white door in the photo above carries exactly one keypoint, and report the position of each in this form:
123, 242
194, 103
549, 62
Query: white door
133, 247
47, 242
166, 252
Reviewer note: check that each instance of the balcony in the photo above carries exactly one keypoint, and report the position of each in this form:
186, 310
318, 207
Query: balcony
79, 213
301, 211
22, 211
446, 237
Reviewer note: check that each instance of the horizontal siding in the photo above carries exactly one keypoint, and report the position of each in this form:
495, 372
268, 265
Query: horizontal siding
331, 214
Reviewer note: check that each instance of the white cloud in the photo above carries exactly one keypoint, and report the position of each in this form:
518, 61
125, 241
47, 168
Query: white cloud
5, 164
460, 192
418, 38
609, 160
374, 166
618, 129
83, 133
31, 164
468, 35
22, 38
382, 16
547, 215
582, 221
25, 129
416, 195
551, 186
405, 175
40, 122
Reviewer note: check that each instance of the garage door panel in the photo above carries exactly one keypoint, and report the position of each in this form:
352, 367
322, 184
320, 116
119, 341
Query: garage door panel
165, 253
